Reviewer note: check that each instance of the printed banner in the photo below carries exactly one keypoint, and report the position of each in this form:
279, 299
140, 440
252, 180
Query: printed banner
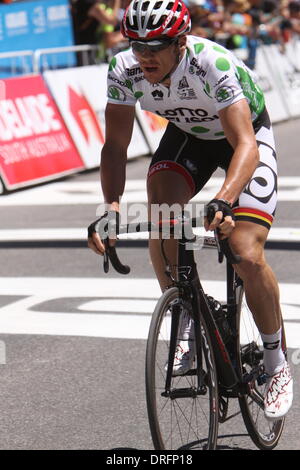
35, 25
285, 69
153, 127
34, 143
276, 107
80, 94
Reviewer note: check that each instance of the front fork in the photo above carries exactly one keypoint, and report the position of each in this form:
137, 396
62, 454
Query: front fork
176, 312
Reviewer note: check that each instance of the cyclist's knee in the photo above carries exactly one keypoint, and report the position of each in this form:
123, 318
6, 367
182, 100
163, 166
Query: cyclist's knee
252, 264
250, 247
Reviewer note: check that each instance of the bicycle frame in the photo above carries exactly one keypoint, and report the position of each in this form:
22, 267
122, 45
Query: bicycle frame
190, 287
237, 370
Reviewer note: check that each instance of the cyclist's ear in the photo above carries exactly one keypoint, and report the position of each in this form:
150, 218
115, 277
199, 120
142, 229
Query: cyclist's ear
182, 41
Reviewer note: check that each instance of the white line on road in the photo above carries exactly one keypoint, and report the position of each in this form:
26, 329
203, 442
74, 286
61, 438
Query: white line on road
108, 308
291, 234
89, 192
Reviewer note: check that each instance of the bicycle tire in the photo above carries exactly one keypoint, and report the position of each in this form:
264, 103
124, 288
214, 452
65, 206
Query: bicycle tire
181, 423
265, 434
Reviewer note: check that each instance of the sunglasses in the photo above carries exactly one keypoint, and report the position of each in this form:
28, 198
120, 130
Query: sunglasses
151, 46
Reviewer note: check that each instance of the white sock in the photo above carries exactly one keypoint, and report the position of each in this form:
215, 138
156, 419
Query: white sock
273, 354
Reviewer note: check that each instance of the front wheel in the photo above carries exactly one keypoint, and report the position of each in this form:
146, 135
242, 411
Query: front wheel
264, 433
184, 420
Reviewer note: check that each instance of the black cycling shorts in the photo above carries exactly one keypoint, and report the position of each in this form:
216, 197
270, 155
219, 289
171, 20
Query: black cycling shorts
196, 160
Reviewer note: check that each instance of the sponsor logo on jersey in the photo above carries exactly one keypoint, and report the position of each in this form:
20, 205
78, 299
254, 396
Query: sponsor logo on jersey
224, 93
116, 80
187, 94
184, 92
133, 71
136, 73
183, 83
221, 80
199, 70
157, 95
138, 79
186, 115
116, 93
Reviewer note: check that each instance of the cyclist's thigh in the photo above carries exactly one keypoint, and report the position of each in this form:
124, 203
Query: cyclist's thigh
180, 167
257, 203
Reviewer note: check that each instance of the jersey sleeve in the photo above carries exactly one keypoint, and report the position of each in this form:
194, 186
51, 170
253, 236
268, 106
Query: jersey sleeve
119, 87
222, 80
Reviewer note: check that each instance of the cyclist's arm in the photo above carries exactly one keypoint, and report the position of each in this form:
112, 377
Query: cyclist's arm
119, 124
237, 125
119, 121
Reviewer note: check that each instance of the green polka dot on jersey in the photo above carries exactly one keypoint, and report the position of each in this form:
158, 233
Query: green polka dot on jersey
199, 129
138, 94
222, 64
220, 49
217, 134
199, 47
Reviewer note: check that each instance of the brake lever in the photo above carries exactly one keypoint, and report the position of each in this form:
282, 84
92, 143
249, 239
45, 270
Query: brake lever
220, 252
222, 245
106, 257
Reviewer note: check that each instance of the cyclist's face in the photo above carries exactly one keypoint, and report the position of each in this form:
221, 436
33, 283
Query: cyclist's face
157, 64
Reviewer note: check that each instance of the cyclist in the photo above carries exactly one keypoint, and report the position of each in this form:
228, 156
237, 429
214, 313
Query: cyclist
217, 118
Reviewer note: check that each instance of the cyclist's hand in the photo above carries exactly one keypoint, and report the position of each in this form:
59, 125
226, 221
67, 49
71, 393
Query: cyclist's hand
220, 216
102, 229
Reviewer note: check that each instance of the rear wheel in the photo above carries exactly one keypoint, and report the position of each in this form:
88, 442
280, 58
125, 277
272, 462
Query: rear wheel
264, 433
181, 419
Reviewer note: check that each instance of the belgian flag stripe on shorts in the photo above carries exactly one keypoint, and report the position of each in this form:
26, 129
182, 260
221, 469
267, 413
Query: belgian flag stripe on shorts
253, 215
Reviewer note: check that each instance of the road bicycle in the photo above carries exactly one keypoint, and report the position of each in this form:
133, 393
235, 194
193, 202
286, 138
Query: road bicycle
185, 411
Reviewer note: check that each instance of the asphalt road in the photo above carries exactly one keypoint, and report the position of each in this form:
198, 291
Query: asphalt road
68, 380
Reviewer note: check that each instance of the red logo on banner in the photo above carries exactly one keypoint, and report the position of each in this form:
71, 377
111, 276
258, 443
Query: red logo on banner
85, 116
34, 142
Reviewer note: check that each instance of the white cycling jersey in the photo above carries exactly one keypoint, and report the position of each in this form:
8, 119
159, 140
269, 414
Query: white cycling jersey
208, 78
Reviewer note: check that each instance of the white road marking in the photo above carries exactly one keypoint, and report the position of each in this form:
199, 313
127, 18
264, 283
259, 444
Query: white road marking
287, 234
89, 192
103, 306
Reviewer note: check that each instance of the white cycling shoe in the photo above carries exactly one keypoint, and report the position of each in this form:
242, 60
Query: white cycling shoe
279, 394
185, 349
184, 357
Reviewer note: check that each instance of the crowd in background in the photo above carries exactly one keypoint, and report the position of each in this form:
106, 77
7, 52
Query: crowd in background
236, 24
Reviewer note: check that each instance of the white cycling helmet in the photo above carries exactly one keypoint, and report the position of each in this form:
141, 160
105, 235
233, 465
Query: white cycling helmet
149, 19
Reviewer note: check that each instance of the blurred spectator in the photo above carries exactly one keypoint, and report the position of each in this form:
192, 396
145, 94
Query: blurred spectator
207, 18
108, 35
84, 26
243, 24
236, 24
98, 22
294, 11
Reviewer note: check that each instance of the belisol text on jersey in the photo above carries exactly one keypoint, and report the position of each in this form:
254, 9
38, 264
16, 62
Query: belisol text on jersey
187, 115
